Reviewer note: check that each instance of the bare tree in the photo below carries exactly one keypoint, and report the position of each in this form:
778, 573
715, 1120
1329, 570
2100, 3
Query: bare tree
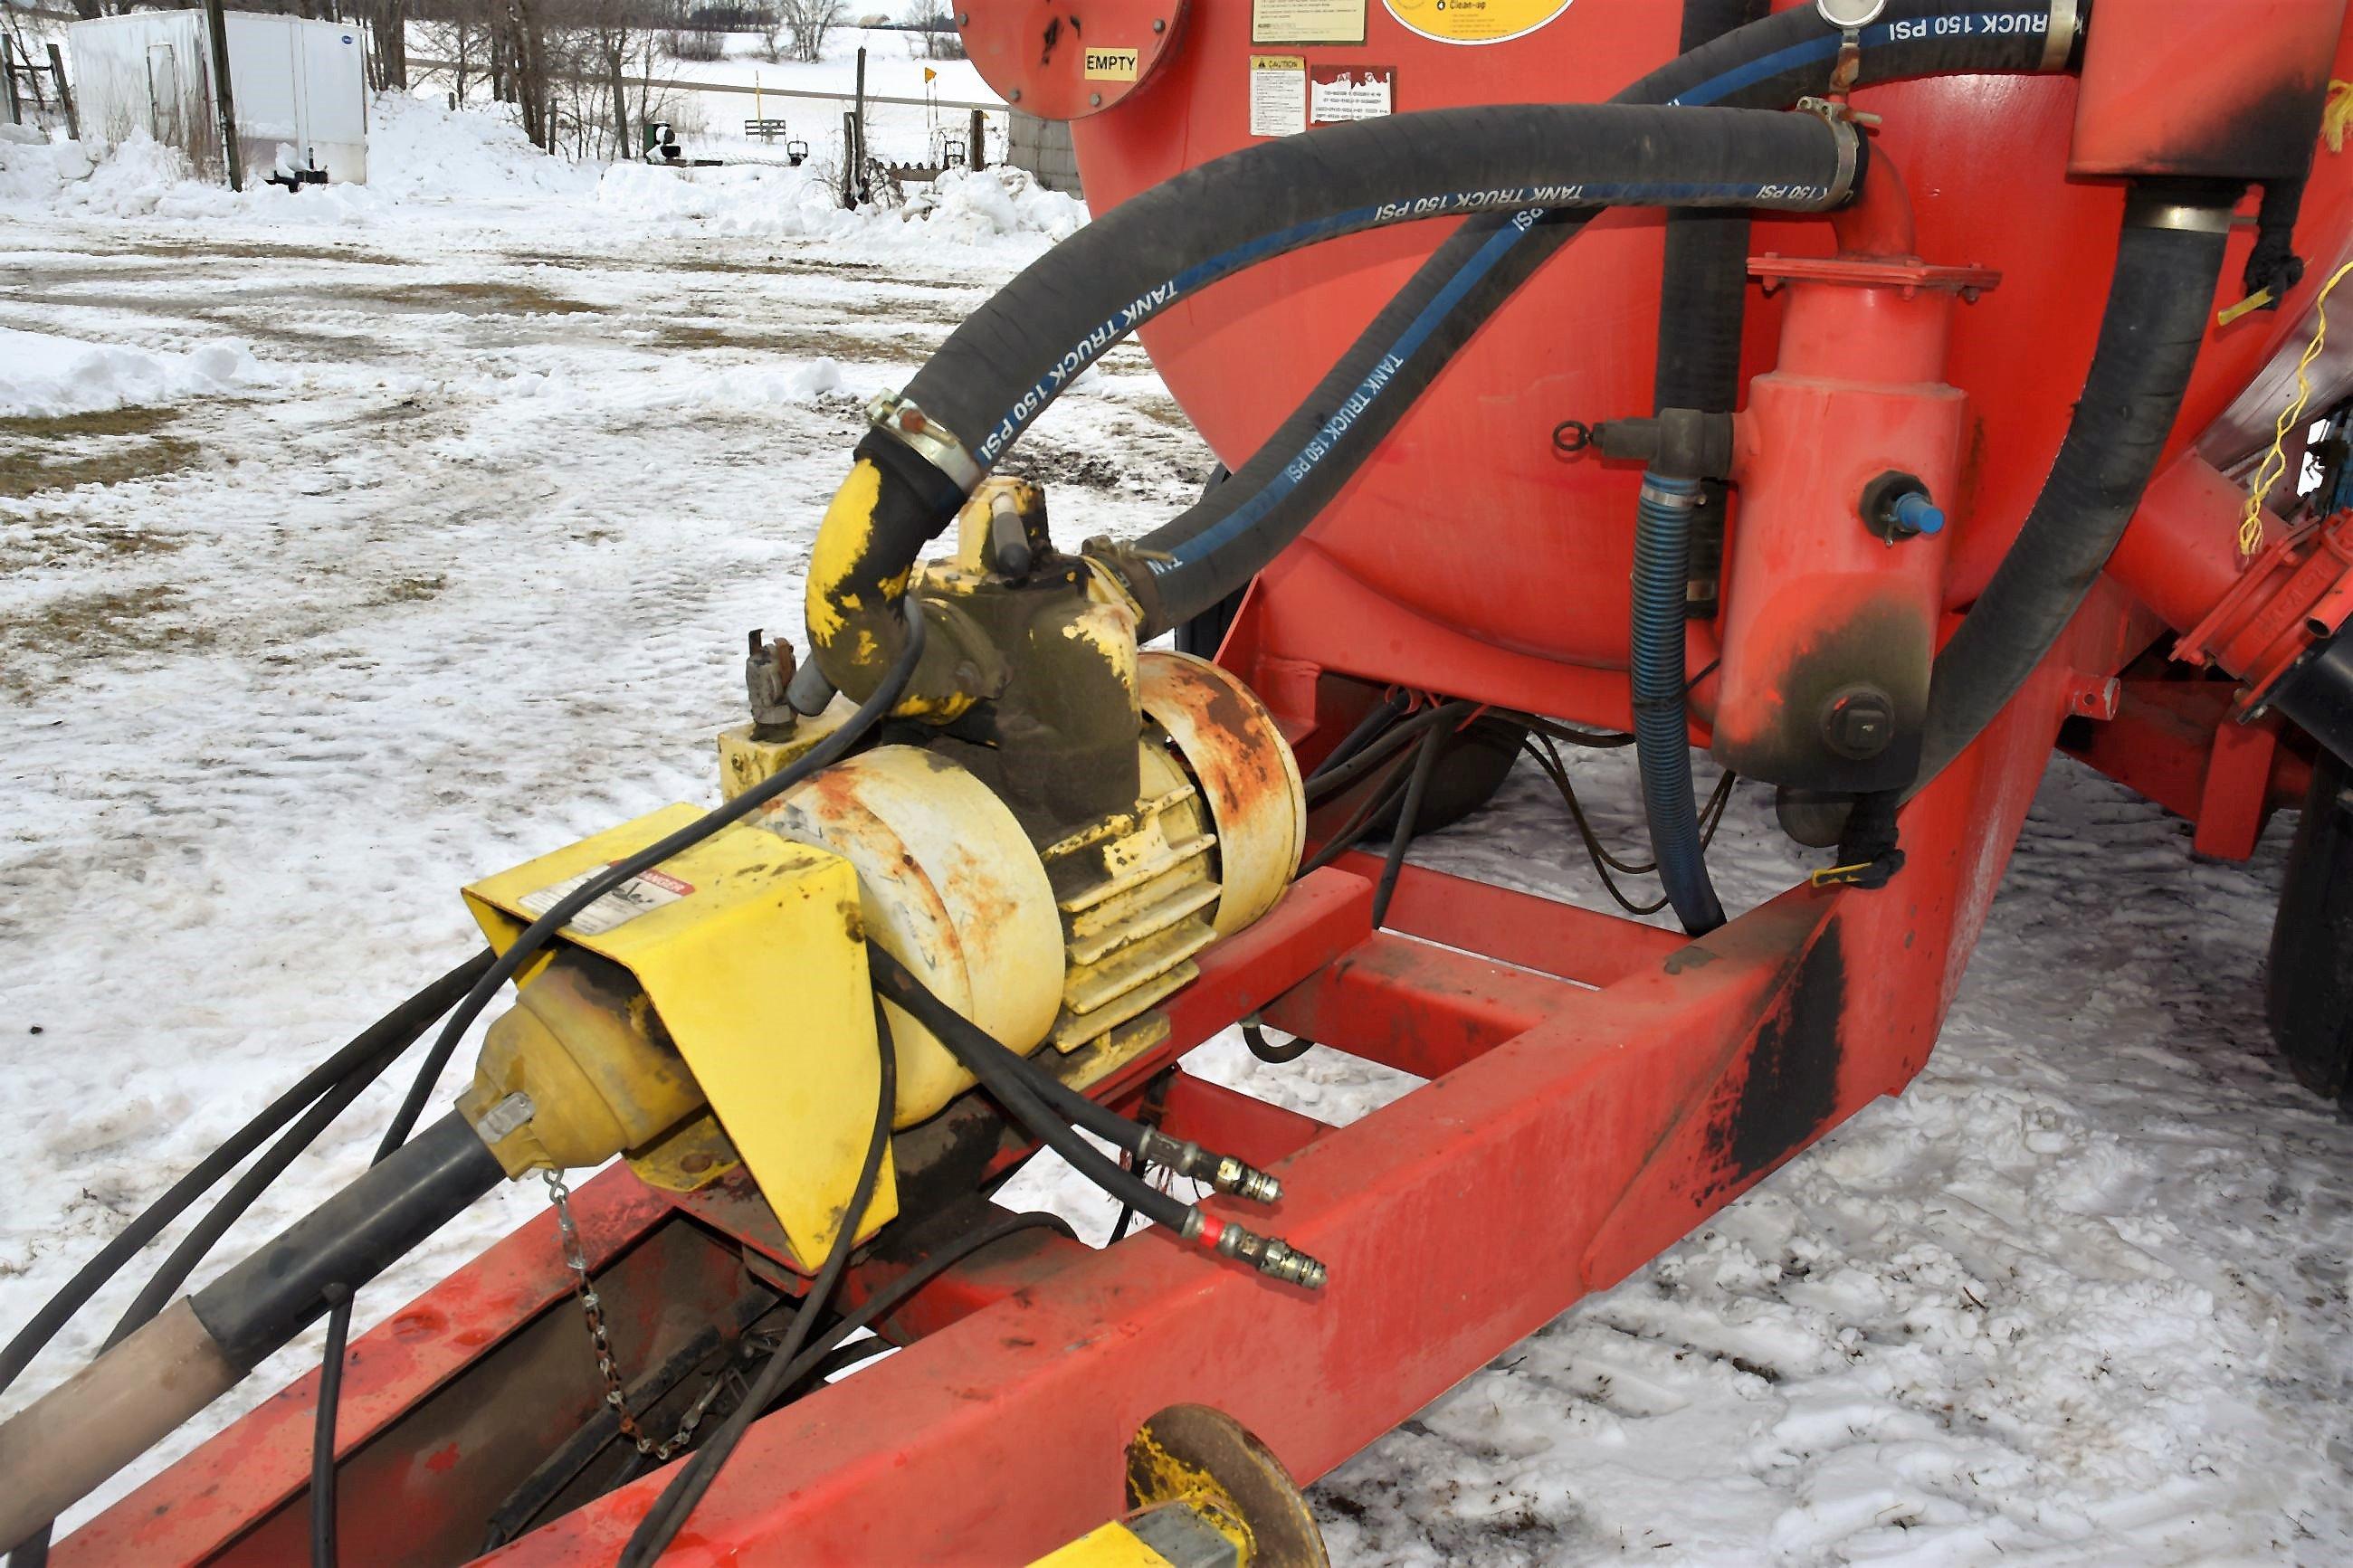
806, 23
939, 39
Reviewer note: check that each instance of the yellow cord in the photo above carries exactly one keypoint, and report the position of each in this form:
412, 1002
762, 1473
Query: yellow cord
2274, 468
2336, 113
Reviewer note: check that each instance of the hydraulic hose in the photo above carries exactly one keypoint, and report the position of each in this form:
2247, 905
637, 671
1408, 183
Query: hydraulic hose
58, 1448
1662, 725
1214, 548
1703, 298
997, 371
2169, 262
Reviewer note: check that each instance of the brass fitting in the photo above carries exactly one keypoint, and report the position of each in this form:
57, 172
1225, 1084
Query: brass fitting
1267, 1254
1223, 1172
576, 1071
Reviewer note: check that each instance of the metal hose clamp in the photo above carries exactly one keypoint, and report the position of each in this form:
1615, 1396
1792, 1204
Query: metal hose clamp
2066, 24
899, 418
2147, 209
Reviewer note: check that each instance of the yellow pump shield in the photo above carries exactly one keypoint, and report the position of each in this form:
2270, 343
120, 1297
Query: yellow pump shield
753, 953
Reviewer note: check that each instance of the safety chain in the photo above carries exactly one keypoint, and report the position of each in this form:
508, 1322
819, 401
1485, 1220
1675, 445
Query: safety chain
592, 1308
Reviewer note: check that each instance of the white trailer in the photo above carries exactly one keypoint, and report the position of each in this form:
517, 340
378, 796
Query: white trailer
299, 87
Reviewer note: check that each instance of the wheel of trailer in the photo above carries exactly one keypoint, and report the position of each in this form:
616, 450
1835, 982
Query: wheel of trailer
2310, 986
1208, 1464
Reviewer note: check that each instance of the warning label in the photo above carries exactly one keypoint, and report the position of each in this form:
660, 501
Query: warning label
1278, 95
1111, 65
1336, 93
1307, 21
641, 894
1475, 21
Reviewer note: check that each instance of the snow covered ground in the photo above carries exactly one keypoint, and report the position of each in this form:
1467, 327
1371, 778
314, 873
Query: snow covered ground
356, 543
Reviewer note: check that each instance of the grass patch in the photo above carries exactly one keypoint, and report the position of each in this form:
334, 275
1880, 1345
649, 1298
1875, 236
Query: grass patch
409, 590
90, 625
50, 539
483, 298
66, 451
805, 342
263, 252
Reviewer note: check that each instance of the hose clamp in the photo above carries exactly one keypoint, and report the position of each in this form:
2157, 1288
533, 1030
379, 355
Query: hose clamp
2065, 25
1677, 495
899, 418
1849, 158
2148, 211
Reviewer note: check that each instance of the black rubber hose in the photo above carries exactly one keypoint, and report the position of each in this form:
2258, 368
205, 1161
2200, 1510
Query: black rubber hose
1008, 361
395, 1031
1767, 65
2149, 336
895, 982
910, 643
1703, 300
678, 1499
354, 1236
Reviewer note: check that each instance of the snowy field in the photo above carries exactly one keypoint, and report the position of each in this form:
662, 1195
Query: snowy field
354, 544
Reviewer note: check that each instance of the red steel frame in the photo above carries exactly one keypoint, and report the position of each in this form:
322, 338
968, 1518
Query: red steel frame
1596, 1087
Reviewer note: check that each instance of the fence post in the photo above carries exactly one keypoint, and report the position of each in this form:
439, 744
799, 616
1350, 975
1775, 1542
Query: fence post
975, 156
849, 160
216, 22
65, 94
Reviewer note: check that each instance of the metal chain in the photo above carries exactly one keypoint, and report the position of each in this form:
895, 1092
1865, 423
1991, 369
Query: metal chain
592, 1309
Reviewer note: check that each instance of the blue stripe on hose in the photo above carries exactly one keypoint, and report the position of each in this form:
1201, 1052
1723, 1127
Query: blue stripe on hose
1961, 25
1482, 261
1590, 192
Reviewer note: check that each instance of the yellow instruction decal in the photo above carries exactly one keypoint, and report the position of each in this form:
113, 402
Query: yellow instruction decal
1307, 21
1475, 21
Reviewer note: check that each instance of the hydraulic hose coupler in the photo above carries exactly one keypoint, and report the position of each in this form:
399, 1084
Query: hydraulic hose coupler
1222, 1172
1267, 1254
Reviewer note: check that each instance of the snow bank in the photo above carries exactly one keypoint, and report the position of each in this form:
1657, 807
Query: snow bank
419, 148
772, 201
34, 168
769, 200
964, 205
41, 374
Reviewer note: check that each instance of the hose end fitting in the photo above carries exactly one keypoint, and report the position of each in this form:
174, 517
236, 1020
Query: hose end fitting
1223, 1172
1269, 1255
1245, 1180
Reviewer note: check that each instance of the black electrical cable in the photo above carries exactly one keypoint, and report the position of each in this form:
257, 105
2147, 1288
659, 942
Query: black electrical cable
1401, 836
1368, 758
824, 754
1711, 817
398, 1029
1386, 794
968, 1043
1376, 718
1254, 1036
676, 1502
888, 1300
